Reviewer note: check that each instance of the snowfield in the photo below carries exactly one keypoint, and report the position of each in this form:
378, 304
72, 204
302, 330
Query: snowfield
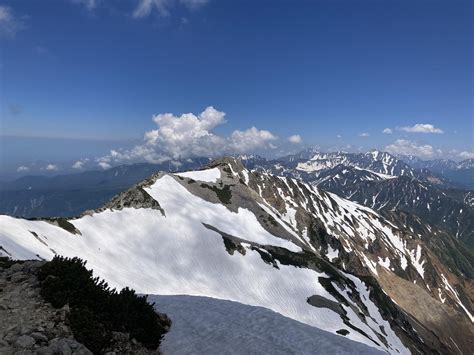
203, 325
175, 254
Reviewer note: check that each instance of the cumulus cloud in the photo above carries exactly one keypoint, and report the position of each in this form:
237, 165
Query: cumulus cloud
364, 134
51, 167
22, 169
406, 147
250, 139
10, 24
163, 7
387, 131
295, 138
187, 136
421, 128
466, 155
79, 165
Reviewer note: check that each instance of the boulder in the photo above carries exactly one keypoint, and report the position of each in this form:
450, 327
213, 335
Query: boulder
25, 341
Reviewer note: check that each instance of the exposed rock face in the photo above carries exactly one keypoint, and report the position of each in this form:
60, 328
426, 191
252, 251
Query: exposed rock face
29, 325
135, 197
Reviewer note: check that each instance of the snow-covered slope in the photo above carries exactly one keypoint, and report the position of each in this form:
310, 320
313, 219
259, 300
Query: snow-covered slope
203, 325
251, 238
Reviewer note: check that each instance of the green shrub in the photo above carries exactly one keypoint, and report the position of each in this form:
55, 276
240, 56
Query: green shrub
89, 330
97, 310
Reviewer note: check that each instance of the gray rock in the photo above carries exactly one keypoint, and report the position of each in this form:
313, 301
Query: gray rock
25, 341
82, 350
18, 277
63, 347
16, 267
39, 337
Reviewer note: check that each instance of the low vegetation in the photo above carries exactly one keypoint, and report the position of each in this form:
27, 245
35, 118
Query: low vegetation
96, 310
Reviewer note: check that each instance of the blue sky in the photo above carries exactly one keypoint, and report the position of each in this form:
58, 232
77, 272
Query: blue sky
82, 77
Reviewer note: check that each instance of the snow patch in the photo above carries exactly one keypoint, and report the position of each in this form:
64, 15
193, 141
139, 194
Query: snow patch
208, 175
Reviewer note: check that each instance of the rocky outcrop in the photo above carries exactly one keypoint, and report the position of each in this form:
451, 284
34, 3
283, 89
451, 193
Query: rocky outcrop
29, 325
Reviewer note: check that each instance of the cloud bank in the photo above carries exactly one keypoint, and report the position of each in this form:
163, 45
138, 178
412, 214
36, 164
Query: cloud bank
466, 155
187, 136
407, 147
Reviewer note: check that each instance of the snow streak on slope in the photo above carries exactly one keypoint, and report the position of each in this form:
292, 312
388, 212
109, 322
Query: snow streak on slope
174, 253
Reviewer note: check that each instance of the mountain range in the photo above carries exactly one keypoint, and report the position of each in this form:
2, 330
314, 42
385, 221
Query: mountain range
375, 179
383, 182
391, 282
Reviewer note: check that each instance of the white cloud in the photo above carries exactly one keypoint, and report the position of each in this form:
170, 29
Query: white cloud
194, 4
103, 164
406, 147
338, 136
421, 128
249, 140
145, 7
23, 169
50, 167
79, 165
364, 134
189, 135
387, 131
10, 24
295, 138
466, 155
163, 7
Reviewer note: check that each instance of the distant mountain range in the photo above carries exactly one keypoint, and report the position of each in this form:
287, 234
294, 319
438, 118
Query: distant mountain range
72, 194
387, 280
375, 179
382, 181
460, 173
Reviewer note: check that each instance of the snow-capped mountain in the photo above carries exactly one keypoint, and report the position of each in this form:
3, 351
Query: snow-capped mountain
461, 172
275, 242
313, 162
381, 181
449, 209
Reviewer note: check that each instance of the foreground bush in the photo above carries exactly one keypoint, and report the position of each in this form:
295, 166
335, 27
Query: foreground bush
96, 310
